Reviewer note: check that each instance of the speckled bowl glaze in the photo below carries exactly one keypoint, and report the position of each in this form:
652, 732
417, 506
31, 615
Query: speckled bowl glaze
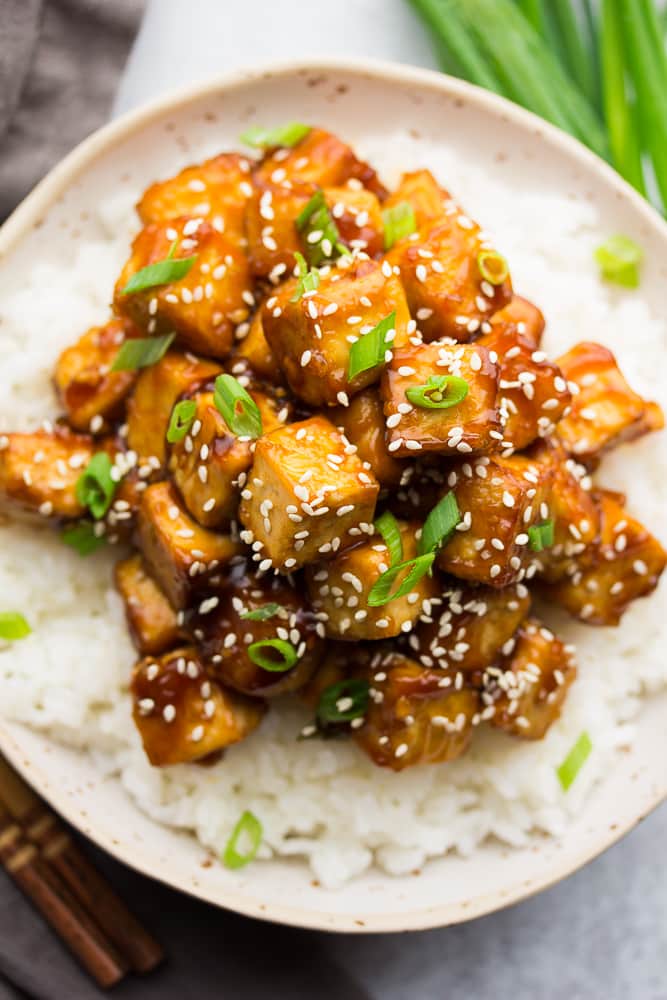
354, 99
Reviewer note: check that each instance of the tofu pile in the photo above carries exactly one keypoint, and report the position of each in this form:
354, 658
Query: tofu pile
229, 540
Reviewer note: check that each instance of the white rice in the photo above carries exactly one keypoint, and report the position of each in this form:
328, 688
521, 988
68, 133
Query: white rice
326, 801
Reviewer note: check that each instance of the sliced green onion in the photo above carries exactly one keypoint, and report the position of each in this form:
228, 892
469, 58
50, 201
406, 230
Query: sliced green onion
282, 657
268, 138
262, 614
95, 488
244, 842
440, 524
619, 259
369, 351
308, 280
13, 626
181, 420
439, 393
387, 526
238, 408
141, 352
541, 536
82, 538
319, 231
574, 761
344, 701
492, 266
399, 221
163, 272
380, 592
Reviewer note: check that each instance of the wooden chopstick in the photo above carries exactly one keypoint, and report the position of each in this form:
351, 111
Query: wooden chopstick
43, 828
54, 901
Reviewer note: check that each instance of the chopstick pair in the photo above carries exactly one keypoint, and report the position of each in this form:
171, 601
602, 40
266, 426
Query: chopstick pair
41, 857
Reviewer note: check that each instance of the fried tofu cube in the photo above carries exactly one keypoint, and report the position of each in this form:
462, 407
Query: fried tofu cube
308, 494
150, 617
320, 158
471, 426
205, 305
157, 390
625, 564
499, 498
533, 395
415, 715
520, 317
254, 349
339, 589
91, 393
181, 714
225, 633
362, 423
358, 217
208, 464
469, 628
527, 691
183, 557
217, 189
39, 471
605, 411
340, 661
420, 189
313, 336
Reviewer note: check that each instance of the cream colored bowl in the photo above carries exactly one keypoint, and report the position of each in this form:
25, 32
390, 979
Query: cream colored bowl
356, 100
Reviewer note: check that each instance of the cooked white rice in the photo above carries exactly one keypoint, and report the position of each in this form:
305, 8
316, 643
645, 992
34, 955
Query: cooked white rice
326, 801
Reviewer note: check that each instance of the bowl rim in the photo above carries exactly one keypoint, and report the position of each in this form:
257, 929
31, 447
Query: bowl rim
28, 214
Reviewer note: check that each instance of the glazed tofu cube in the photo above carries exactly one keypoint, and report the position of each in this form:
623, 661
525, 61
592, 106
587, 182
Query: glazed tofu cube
217, 189
91, 393
150, 617
416, 715
339, 661
471, 426
254, 349
527, 691
322, 159
183, 557
205, 305
420, 189
183, 715
533, 395
209, 463
313, 336
358, 217
605, 411
469, 628
362, 423
440, 271
339, 589
225, 634
499, 498
308, 494
520, 317
39, 471
625, 564
157, 389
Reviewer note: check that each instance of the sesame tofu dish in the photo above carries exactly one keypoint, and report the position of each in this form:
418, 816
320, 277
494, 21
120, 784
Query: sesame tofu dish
336, 465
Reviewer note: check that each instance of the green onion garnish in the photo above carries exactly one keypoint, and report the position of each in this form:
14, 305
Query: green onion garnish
492, 266
141, 353
369, 350
163, 272
308, 280
82, 537
387, 526
95, 488
319, 231
238, 408
282, 657
380, 592
541, 536
344, 701
440, 524
248, 831
13, 626
439, 393
181, 420
262, 614
574, 761
268, 138
399, 221
619, 259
